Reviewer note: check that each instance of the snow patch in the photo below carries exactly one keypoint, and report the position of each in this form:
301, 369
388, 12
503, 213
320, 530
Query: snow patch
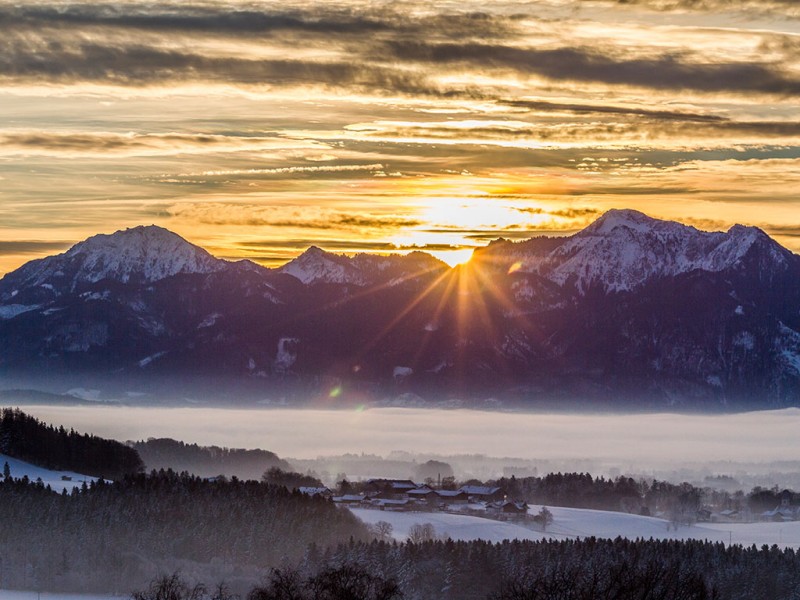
57, 480
9, 311
209, 321
792, 359
84, 394
402, 372
105, 295
739, 310
148, 359
286, 355
744, 339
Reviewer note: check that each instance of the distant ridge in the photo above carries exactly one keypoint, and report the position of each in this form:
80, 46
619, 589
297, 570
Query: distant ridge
629, 312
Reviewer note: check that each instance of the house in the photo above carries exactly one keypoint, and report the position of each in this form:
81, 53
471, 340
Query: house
452, 496
391, 505
508, 507
481, 493
729, 516
424, 495
704, 515
348, 499
389, 488
779, 515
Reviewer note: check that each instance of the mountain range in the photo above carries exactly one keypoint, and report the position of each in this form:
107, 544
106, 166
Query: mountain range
629, 312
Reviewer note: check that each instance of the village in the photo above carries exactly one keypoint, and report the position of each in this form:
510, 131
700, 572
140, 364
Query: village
493, 502
403, 495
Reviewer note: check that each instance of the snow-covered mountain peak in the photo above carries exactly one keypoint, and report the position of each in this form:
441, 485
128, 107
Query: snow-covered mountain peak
625, 217
316, 264
147, 253
142, 254
623, 249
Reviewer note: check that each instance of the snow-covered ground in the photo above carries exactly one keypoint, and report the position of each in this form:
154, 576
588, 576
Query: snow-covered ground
582, 523
54, 479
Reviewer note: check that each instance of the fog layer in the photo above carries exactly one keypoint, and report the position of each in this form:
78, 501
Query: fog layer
636, 440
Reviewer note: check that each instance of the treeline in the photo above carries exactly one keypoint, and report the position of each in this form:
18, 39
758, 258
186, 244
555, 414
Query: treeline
114, 537
207, 461
678, 501
574, 570
526, 570
26, 438
581, 490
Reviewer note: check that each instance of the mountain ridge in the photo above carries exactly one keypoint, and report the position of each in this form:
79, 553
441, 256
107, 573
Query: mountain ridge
630, 309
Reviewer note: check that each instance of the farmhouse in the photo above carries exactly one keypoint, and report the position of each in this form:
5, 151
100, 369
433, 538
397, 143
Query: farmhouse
453, 496
481, 493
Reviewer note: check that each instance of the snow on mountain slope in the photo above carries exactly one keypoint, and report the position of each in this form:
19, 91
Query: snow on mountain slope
144, 253
623, 249
316, 265
584, 523
55, 479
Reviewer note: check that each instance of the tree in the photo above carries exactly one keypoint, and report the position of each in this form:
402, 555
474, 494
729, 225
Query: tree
421, 532
433, 469
282, 585
6, 471
349, 582
383, 530
345, 582
545, 518
289, 479
170, 587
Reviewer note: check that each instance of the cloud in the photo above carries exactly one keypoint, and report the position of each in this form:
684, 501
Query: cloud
668, 115
14, 247
641, 132
350, 245
789, 230
137, 45
287, 170
783, 8
513, 234
48, 143
288, 217
230, 20
664, 72
123, 64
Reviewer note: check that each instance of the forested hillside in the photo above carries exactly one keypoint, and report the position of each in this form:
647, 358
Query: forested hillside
586, 569
207, 461
26, 438
117, 536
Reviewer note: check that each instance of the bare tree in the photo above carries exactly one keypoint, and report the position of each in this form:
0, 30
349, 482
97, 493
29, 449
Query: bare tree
170, 587
421, 532
383, 530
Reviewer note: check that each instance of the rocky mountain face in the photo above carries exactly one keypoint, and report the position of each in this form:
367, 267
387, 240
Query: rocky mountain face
629, 312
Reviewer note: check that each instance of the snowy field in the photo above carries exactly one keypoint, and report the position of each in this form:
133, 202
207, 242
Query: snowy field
12, 595
54, 479
582, 523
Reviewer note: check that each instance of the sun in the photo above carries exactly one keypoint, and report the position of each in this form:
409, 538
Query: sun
454, 257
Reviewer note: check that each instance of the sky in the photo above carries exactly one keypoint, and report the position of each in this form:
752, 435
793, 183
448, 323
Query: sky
259, 129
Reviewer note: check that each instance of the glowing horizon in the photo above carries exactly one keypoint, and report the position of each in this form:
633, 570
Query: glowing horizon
257, 132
